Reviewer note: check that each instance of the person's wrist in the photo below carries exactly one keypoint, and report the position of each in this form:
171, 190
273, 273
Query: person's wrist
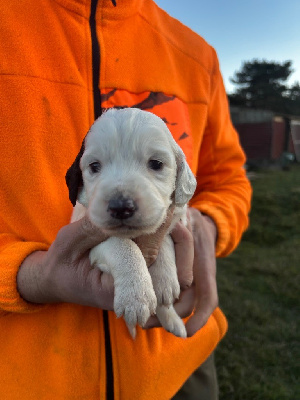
30, 278
212, 226
207, 218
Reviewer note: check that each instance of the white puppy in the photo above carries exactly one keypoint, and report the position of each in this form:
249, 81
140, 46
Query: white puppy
127, 174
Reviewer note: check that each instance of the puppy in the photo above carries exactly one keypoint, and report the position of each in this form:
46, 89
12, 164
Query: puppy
126, 176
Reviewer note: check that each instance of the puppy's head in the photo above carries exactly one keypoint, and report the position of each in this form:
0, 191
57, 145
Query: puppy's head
128, 173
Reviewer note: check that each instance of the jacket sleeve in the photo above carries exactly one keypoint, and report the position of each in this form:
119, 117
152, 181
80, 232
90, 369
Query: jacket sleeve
12, 253
223, 191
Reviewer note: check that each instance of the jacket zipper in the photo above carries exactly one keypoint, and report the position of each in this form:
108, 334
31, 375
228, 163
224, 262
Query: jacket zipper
97, 113
95, 60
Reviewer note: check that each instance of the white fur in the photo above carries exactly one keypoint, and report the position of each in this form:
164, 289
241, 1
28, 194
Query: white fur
123, 142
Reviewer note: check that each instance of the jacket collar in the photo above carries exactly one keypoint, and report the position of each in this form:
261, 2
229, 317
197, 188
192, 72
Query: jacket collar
105, 8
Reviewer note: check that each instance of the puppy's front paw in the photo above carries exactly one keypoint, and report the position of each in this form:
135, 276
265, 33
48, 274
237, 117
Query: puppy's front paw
136, 304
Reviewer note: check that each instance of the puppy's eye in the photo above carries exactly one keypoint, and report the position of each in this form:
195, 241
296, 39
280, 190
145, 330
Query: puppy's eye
95, 167
156, 165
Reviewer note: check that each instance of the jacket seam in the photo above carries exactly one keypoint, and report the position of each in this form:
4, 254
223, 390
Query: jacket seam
44, 79
173, 44
70, 10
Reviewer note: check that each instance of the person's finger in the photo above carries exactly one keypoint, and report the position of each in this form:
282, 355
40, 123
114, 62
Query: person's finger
153, 322
102, 285
186, 303
203, 311
206, 292
184, 252
78, 237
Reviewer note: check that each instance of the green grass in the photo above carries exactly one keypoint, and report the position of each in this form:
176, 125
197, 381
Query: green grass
259, 292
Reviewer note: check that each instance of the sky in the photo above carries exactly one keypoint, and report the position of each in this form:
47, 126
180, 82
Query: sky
243, 30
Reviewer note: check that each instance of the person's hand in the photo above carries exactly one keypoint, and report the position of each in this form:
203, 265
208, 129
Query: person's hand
149, 244
202, 296
206, 293
184, 249
64, 274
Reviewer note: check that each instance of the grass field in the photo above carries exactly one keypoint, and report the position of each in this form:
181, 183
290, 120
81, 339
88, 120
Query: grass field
259, 292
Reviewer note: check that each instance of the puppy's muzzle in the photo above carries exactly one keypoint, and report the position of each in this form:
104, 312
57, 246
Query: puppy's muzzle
121, 207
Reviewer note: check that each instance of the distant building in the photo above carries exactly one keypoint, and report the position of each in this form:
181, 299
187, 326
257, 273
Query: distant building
265, 135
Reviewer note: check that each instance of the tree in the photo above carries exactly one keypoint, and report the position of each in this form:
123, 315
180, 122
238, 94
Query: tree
262, 84
294, 99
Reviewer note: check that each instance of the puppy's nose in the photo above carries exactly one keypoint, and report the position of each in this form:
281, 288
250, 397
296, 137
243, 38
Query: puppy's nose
121, 207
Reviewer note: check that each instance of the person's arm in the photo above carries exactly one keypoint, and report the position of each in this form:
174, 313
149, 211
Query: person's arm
221, 203
223, 191
13, 250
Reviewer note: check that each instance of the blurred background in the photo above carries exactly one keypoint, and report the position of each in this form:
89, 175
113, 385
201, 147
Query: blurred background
258, 44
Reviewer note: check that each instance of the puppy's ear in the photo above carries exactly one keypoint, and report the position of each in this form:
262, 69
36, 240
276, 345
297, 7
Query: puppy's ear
186, 183
74, 177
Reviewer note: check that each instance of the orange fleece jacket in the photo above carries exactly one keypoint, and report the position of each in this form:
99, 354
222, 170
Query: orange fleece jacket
46, 99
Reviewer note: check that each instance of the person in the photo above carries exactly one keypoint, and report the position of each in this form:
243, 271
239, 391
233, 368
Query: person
62, 62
